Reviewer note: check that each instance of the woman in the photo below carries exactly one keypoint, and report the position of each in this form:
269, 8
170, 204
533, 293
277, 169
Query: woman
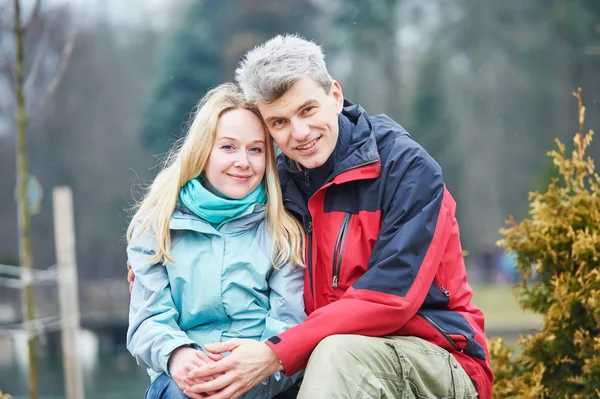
213, 250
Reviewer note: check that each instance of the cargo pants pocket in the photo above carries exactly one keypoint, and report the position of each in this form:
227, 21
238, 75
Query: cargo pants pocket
428, 371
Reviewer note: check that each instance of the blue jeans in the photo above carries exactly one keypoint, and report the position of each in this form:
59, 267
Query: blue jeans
164, 387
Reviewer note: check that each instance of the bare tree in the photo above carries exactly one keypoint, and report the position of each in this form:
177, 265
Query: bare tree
20, 115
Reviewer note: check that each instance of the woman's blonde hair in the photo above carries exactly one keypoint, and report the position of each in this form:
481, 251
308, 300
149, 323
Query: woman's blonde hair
187, 160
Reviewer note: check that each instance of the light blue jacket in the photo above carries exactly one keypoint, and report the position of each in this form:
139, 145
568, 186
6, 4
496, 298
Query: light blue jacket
222, 285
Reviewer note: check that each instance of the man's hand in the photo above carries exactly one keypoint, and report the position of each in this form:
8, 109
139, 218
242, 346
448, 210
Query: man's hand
249, 364
183, 360
130, 276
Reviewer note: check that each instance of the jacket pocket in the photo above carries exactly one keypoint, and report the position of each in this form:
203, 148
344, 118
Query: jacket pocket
458, 341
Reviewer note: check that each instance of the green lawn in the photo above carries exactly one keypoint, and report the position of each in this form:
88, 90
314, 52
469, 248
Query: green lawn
501, 310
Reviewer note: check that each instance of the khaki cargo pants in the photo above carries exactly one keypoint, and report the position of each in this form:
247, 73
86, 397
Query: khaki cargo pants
355, 366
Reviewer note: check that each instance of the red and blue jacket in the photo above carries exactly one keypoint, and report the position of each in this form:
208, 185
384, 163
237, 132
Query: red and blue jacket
383, 251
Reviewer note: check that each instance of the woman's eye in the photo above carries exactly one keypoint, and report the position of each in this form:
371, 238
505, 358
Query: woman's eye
227, 147
256, 149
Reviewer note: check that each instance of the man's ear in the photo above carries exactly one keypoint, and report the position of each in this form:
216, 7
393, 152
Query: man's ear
338, 96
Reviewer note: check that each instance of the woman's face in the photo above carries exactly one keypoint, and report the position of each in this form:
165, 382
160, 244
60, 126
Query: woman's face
236, 164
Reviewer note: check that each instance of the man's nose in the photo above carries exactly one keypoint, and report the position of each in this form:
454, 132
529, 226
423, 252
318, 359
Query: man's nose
300, 130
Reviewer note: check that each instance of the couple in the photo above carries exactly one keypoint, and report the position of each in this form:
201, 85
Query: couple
353, 226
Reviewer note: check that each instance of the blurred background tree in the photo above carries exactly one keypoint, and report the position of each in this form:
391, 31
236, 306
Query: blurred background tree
559, 240
204, 51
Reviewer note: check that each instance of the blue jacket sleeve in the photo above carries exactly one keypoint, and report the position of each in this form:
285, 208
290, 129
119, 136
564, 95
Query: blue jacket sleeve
286, 300
153, 331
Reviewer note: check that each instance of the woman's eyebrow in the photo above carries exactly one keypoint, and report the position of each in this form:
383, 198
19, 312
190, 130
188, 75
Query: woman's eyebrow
234, 139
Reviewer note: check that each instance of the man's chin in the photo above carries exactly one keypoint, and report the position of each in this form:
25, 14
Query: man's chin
312, 162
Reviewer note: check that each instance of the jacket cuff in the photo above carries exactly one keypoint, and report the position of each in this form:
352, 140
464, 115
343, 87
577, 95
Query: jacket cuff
286, 355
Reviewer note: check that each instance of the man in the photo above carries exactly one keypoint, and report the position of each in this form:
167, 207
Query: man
386, 293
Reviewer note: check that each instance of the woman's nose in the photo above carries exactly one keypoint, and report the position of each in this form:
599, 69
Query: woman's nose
242, 161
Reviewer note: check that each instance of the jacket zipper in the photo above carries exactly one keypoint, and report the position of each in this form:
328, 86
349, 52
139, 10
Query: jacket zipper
444, 333
309, 265
309, 260
445, 291
339, 250
309, 229
441, 287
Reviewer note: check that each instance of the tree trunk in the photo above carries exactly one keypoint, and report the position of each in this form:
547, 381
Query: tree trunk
25, 258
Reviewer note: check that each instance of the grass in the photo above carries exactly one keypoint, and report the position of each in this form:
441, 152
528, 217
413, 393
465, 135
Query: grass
502, 311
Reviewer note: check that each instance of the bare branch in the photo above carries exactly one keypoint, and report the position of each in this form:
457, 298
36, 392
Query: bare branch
33, 16
34, 13
64, 62
37, 60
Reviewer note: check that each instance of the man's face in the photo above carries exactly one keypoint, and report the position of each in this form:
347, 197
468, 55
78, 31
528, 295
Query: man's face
304, 121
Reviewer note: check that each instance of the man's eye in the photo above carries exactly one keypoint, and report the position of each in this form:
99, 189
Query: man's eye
277, 122
307, 109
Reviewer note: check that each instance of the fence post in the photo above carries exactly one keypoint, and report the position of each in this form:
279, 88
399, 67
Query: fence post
64, 236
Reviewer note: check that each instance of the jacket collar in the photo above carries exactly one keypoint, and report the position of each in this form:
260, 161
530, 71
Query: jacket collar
184, 219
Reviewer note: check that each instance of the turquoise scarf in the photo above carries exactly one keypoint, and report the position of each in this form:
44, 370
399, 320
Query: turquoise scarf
215, 209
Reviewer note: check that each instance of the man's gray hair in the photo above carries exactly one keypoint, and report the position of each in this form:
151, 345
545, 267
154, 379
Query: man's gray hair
269, 70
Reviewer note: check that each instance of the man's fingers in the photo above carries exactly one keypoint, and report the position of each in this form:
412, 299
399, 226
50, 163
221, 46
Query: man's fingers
196, 363
215, 356
190, 383
200, 360
233, 391
205, 358
218, 383
220, 347
210, 369
185, 383
209, 357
